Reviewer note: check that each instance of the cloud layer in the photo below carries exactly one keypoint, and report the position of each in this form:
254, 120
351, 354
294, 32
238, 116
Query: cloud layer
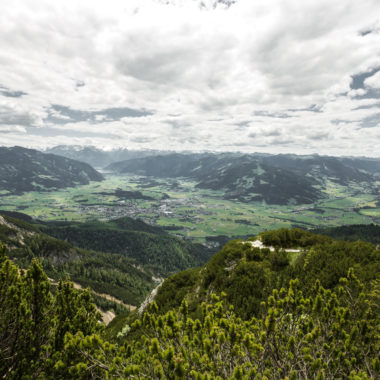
264, 75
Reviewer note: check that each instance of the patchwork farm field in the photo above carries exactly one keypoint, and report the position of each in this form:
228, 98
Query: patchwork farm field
183, 209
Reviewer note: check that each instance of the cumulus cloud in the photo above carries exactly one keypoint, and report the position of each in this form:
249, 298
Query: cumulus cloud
373, 81
265, 75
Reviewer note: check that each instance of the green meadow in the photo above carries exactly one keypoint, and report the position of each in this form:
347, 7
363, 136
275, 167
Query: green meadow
184, 209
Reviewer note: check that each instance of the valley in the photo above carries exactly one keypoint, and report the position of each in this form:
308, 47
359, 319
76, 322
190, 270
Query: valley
165, 252
203, 215
190, 190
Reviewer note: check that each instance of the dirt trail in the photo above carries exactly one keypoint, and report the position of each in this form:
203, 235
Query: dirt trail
107, 316
149, 299
107, 296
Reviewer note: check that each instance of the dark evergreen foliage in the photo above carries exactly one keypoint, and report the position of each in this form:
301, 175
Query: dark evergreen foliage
150, 246
365, 232
250, 313
114, 274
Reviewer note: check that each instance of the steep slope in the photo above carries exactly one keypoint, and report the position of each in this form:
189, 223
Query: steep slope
321, 167
247, 274
299, 333
369, 165
247, 179
364, 232
24, 170
150, 246
115, 274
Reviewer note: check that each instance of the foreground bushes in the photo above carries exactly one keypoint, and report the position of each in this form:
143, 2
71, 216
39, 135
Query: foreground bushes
327, 334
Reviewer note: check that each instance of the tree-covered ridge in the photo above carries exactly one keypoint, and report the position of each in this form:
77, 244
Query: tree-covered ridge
24, 170
364, 232
292, 238
326, 334
241, 177
114, 274
248, 274
119, 257
150, 246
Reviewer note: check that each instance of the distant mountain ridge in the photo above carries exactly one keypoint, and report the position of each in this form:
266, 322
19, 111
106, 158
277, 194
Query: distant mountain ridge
96, 157
275, 179
24, 170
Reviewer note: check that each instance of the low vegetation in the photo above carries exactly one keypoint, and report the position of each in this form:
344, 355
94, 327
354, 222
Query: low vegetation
248, 274
316, 323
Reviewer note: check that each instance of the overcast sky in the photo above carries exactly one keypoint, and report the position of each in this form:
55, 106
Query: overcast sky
244, 75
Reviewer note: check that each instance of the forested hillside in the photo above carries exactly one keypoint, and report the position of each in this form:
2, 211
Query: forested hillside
248, 274
115, 274
24, 170
122, 258
149, 246
315, 315
364, 232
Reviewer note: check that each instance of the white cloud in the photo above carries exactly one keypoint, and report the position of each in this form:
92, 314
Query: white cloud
373, 81
280, 70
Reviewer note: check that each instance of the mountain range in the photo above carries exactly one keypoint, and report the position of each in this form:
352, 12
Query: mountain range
24, 170
274, 179
282, 179
96, 157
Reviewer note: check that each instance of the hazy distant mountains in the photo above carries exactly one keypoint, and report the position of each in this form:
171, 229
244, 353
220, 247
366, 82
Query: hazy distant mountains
275, 179
99, 158
24, 170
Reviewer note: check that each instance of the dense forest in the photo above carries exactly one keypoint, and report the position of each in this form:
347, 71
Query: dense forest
122, 258
115, 274
364, 232
248, 274
147, 246
249, 313
150, 246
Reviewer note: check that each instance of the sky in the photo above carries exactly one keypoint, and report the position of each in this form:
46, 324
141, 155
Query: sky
276, 76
